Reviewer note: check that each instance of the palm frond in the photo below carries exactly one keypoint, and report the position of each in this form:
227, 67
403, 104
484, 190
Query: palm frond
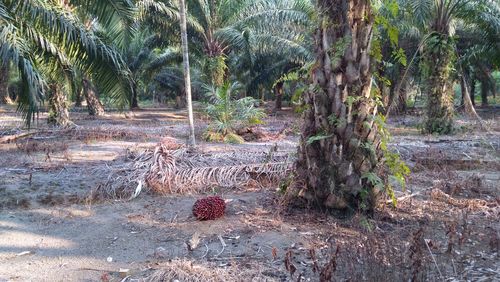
15, 49
174, 170
117, 16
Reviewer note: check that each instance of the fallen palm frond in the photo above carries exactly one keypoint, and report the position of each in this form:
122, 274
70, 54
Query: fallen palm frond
183, 270
97, 133
174, 169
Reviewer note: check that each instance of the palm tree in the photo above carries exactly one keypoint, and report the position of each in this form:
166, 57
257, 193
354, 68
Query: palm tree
187, 75
51, 46
339, 148
216, 27
436, 19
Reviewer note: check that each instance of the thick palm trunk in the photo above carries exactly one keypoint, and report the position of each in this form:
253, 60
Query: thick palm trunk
278, 93
4, 85
58, 108
484, 93
134, 102
180, 101
398, 94
187, 75
78, 99
440, 92
94, 106
339, 149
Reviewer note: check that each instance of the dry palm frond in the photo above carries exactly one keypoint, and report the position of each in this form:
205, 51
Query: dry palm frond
170, 169
183, 270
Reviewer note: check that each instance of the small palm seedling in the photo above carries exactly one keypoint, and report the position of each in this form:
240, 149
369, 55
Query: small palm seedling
229, 114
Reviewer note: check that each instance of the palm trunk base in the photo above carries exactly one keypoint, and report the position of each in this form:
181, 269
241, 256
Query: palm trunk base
278, 92
94, 105
180, 102
339, 153
58, 108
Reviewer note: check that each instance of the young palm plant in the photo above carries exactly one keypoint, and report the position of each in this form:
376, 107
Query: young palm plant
228, 114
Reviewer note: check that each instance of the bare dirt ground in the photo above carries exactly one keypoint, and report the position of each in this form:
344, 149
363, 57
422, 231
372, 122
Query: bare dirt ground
448, 228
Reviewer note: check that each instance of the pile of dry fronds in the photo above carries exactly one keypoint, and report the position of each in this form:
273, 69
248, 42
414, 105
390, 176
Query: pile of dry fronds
182, 270
171, 168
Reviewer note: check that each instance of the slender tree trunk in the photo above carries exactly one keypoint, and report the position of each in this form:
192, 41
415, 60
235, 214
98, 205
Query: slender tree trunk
187, 75
463, 91
484, 93
494, 89
339, 148
262, 94
473, 92
4, 85
278, 93
58, 108
94, 106
440, 92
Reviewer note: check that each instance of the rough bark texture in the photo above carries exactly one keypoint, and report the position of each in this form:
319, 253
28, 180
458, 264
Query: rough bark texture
58, 108
94, 106
278, 92
4, 83
440, 92
332, 171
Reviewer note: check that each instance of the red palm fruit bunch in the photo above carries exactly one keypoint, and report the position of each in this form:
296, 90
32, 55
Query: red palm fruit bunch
209, 208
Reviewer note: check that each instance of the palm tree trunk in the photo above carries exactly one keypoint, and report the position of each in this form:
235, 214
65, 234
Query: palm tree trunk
278, 92
94, 106
469, 107
4, 85
187, 75
473, 92
339, 149
463, 91
180, 100
134, 102
440, 92
78, 98
484, 93
398, 94
58, 108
